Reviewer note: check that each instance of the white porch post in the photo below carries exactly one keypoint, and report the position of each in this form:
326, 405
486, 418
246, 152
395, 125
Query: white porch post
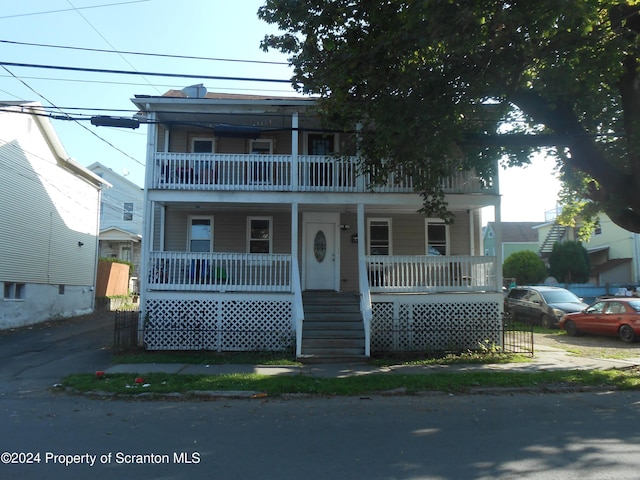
498, 239
294, 152
147, 233
365, 294
472, 232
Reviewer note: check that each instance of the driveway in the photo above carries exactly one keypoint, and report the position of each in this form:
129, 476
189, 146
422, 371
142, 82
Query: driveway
589, 345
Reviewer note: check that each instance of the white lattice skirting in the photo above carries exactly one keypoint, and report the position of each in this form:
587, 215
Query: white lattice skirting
435, 326
219, 324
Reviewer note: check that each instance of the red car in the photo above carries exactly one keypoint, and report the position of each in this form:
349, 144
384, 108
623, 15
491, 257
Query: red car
618, 316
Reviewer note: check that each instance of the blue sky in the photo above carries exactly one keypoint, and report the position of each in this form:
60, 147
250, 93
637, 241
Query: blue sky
218, 29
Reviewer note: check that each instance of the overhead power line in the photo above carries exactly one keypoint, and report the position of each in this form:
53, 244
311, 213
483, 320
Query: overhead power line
146, 54
154, 74
70, 9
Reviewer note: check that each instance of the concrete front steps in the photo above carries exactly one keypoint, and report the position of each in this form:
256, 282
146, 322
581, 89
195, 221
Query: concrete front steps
332, 330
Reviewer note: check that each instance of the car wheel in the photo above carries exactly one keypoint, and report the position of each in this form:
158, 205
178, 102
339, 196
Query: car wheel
547, 322
627, 334
571, 328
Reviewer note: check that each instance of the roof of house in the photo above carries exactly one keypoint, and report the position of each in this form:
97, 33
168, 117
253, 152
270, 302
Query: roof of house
517, 231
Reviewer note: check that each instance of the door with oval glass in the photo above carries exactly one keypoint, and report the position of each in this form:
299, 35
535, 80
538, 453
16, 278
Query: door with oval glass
320, 256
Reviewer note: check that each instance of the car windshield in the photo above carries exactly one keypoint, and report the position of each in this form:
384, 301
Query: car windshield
635, 304
559, 296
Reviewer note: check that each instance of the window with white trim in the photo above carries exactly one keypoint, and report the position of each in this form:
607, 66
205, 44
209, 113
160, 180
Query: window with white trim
379, 238
202, 144
200, 234
128, 212
259, 234
436, 237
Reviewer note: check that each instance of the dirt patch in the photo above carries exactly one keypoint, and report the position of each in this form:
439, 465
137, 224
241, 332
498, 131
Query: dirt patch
590, 345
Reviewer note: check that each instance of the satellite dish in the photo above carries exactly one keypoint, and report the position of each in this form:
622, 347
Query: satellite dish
125, 172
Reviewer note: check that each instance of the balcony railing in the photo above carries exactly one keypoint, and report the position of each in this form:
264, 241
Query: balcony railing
226, 272
427, 273
310, 173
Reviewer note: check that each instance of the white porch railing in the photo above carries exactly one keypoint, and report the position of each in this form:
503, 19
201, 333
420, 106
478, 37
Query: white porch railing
427, 273
316, 173
225, 272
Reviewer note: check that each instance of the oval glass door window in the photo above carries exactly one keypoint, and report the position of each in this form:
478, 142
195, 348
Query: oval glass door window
320, 246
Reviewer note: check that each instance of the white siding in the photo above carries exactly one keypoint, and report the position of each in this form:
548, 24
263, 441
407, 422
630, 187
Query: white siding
45, 211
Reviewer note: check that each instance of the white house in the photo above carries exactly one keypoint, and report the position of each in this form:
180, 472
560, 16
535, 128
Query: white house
48, 222
120, 218
258, 237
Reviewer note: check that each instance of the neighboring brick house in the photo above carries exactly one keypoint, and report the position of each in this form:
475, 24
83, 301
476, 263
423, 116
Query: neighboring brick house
48, 222
258, 237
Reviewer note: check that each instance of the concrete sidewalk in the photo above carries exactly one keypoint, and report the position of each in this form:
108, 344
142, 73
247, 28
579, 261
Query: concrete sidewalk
545, 358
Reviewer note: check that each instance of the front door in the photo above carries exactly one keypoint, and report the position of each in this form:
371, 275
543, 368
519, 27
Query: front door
320, 254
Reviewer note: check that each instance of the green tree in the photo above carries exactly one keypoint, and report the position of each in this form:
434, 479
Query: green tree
442, 86
569, 262
525, 266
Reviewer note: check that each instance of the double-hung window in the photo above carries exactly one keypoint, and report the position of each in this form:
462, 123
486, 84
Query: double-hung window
260, 234
128, 212
379, 236
437, 237
200, 234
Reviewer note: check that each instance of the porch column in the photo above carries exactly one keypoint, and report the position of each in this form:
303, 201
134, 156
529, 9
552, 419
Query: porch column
472, 233
498, 240
294, 231
294, 152
147, 232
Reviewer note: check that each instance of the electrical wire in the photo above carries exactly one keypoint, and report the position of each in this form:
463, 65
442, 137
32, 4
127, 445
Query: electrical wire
151, 74
70, 9
147, 54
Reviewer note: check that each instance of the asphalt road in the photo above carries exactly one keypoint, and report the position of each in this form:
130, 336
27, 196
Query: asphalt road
523, 436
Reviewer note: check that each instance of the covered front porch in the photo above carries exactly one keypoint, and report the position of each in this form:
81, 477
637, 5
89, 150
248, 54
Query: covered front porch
257, 297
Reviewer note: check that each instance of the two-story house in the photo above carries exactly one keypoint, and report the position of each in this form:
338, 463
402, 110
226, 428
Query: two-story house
120, 219
516, 237
261, 234
48, 222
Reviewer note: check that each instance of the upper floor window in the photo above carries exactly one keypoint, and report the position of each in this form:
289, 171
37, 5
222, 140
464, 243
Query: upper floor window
202, 144
379, 236
128, 212
437, 237
598, 229
260, 234
200, 234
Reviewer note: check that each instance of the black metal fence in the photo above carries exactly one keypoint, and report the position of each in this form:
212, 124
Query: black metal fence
125, 334
517, 337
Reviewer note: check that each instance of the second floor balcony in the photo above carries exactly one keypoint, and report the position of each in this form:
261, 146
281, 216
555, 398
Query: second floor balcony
286, 173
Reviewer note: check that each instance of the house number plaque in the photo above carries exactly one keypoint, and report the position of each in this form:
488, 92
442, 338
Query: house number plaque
320, 246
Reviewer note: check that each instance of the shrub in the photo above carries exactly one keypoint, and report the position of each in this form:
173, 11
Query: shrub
526, 267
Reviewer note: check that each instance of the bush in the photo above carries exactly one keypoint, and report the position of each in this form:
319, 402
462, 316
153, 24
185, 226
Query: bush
526, 267
569, 262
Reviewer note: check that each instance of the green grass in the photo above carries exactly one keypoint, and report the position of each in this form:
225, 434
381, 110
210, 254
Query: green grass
206, 358
158, 383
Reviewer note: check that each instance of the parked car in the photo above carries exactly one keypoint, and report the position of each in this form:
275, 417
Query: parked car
541, 305
617, 316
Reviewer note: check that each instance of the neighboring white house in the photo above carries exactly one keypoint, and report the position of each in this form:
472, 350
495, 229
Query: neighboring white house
120, 218
48, 222
257, 237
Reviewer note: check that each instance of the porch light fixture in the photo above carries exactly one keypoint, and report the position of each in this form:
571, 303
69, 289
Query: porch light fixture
80, 244
345, 227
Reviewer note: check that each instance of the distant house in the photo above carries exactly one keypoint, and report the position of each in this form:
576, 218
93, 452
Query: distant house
613, 251
516, 237
48, 222
120, 218
258, 237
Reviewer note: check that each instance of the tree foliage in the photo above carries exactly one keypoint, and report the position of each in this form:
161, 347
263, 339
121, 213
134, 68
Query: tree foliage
569, 262
525, 266
442, 86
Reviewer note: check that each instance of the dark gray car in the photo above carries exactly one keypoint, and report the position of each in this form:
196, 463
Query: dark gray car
541, 305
